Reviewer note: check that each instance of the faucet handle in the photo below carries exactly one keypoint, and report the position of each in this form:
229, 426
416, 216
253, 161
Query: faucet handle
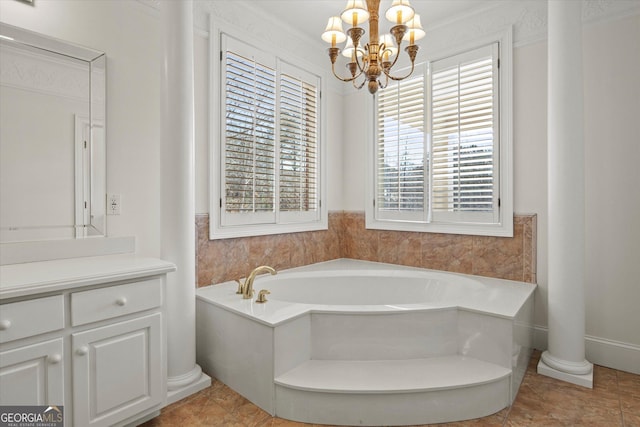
262, 296
240, 287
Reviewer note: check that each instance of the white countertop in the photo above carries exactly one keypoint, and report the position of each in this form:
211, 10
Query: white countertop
20, 280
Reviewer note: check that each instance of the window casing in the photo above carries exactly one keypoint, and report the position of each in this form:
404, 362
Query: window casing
267, 145
442, 157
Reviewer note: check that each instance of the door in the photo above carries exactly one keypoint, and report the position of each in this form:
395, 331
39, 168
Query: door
117, 371
33, 375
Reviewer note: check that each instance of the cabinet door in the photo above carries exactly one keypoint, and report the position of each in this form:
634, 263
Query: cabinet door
32, 375
117, 371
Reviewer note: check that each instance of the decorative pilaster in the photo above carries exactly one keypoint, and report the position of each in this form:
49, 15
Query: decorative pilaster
178, 197
565, 357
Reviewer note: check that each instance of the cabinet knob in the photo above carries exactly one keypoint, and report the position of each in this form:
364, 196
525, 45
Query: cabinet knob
54, 358
5, 324
82, 350
121, 301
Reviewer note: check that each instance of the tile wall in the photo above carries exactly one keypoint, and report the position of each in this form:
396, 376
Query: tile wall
507, 258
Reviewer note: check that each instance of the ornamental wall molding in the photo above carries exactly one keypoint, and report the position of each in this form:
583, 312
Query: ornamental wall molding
528, 18
43, 74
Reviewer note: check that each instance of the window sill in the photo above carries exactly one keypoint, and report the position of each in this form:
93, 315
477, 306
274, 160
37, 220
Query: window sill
216, 232
503, 229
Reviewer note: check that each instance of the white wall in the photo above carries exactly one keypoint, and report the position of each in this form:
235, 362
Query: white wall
128, 31
530, 152
612, 164
358, 107
201, 113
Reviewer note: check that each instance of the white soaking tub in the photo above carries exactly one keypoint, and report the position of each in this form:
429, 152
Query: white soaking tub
349, 342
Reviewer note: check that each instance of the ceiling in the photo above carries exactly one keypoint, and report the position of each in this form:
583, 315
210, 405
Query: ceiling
310, 17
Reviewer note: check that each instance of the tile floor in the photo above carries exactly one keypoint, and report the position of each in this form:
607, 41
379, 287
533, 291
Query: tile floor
541, 401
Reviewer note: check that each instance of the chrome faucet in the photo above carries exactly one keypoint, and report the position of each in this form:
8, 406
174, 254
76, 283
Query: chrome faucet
246, 289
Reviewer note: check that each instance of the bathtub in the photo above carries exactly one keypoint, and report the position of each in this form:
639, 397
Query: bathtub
349, 342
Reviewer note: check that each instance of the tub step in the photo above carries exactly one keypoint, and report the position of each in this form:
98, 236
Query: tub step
391, 376
380, 392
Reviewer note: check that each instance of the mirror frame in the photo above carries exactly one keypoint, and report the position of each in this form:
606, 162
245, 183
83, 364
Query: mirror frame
90, 184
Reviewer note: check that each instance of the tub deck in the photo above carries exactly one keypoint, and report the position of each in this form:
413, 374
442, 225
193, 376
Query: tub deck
499, 297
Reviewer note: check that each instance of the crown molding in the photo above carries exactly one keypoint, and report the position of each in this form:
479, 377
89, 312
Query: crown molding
528, 18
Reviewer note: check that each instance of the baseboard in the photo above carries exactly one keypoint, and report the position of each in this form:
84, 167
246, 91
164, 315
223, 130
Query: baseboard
613, 354
600, 351
540, 337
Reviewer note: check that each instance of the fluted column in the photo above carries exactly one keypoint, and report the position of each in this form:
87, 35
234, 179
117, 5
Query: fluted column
178, 198
565, 357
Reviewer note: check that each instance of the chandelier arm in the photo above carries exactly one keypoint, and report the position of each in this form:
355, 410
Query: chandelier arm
386, 82
396, 58
400, 78
360, 67
360, 85
348, 79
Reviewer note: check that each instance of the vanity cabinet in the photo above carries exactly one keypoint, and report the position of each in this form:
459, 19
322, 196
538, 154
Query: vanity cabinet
95, 346
117, 369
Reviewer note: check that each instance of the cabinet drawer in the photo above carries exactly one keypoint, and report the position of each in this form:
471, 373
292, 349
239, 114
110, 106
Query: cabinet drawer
105, 303
32, 317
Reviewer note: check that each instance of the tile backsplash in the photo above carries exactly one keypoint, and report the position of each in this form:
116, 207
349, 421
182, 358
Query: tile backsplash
511, 258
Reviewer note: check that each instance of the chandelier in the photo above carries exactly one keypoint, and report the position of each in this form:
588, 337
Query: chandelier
379, 55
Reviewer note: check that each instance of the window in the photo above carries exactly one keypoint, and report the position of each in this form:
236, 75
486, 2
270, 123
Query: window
269, 145
442, 158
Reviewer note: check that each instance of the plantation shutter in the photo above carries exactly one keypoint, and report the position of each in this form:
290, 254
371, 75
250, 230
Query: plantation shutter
270, 152
464, 137
249, 177
299, 134
400, 152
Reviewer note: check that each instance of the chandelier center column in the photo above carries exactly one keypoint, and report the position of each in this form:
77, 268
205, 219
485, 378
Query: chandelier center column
565, 357
177, 208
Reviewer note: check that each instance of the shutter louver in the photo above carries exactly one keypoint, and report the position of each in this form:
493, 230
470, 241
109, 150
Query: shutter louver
298, 180
249, 172
463, 133
400, 154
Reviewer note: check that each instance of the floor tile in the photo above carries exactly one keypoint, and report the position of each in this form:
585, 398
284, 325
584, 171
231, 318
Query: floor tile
541, 401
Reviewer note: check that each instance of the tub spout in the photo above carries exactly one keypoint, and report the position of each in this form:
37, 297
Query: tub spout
247, 288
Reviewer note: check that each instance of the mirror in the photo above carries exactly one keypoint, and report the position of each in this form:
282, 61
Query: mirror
52, 138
